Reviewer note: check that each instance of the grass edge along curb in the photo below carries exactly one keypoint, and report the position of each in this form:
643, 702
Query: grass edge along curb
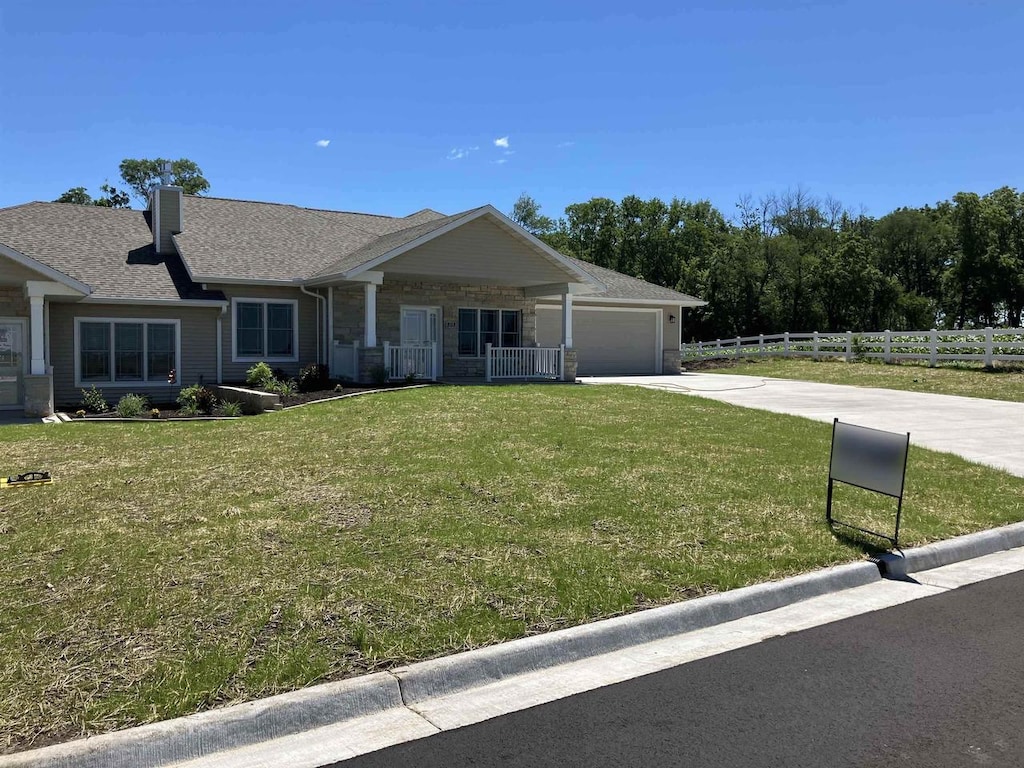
218, 730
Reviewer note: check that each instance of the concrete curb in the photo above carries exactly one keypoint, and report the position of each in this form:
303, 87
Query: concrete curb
219, 730
950, 551
452, 674
206, 733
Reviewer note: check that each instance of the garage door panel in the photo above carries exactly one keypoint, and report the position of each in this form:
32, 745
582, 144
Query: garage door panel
606, 341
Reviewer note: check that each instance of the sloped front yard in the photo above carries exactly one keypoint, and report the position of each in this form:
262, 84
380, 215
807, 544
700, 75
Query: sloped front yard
178, 566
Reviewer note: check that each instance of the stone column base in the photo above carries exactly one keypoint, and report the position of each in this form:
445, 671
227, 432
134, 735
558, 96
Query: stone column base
670, 361
570, 365
39, 395
371, 365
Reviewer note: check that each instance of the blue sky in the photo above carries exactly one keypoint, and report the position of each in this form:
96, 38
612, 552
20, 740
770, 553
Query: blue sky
879, 104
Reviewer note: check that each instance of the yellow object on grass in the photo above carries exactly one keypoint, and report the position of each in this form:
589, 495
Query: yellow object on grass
28, 478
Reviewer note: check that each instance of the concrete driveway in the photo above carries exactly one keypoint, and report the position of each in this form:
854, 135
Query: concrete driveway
986, 431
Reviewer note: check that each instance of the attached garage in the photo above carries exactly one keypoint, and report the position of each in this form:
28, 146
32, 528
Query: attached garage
619, 340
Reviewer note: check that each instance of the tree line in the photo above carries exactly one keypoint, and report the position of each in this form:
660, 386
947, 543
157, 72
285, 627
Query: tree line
795, 262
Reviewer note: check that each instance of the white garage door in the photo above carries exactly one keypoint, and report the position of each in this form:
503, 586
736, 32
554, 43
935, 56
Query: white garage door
607, 341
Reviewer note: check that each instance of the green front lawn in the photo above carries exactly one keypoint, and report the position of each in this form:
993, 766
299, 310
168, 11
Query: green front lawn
173, 567
964, 379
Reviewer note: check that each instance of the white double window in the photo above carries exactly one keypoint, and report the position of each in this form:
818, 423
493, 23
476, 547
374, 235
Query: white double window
265, 329
127, 352
480, 327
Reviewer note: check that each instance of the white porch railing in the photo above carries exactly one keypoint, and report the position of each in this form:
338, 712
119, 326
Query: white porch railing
403, 362
985, 345
524, 362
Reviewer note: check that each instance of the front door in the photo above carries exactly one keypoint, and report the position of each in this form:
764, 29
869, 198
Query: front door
13, 363
421, 327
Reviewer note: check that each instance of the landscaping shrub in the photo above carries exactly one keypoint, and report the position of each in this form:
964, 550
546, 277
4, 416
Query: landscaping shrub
259, 375
93, 401
379, 374
282, 387
314, 377
130, 406
229, 408
197, 399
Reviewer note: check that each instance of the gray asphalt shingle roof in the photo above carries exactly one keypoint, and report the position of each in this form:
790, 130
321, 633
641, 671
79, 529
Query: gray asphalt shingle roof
622, 286
112, 252
109, 250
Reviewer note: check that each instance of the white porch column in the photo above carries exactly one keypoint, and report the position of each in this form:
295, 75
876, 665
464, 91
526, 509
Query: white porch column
37, 335
567, 320
371, 315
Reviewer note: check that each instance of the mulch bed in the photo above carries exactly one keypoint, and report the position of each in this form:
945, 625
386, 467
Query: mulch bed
170, 411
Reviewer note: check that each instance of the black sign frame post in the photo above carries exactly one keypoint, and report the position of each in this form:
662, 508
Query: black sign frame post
873, 460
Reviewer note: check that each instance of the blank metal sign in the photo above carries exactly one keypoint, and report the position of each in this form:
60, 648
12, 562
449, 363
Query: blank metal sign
869, 458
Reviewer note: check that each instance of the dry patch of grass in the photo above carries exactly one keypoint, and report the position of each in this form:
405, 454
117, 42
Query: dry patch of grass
176, 567
1001, 382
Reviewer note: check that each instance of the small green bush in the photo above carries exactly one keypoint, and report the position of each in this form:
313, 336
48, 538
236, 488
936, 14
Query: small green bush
93, 400
197, 399
314, 377
229, 408
130, 406
282, 387
259, 375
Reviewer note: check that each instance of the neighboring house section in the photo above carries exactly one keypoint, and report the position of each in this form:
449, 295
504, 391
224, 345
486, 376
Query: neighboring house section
198, 289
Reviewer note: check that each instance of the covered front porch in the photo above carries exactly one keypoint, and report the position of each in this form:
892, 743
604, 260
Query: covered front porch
434, 331
26, 290
458, 304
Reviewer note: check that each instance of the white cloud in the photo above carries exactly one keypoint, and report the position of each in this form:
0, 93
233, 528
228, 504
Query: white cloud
501, 160
502, 142
457, 153
565, 144
323, 142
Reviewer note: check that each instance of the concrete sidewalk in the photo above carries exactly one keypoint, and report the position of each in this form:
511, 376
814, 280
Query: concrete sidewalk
986, 431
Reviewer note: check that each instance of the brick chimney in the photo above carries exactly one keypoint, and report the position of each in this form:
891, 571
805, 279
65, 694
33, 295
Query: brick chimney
165, 206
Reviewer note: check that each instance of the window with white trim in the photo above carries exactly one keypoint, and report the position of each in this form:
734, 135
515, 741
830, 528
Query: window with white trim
480, 327
128, 352
265, 329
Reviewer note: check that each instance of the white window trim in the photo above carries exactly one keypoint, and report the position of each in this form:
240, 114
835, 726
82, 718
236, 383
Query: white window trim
143, 384
478, 331
235, 301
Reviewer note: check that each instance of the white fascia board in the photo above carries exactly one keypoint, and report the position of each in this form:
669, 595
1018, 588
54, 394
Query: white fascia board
212, 304
37, 288
553, 290
215, 280
658, 302
375, 277
37, 266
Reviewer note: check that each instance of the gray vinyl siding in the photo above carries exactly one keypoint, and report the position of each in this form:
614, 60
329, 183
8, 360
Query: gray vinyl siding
198, 329
308, 313
479, 252
13, 302
11, 271
170, 202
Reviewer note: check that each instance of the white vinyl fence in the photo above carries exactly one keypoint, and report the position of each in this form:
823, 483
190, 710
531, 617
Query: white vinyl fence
412, 361
985, 345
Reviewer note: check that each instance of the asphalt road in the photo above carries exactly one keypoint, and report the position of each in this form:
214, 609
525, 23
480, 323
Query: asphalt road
934, 682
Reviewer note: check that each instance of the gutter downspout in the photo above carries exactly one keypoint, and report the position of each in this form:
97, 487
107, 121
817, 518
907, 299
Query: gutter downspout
319, 319
220, 344
329, 341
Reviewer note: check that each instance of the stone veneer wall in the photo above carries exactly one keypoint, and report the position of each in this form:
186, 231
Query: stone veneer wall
670, 361
13, 303
570, 365
349, 317
39, 395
